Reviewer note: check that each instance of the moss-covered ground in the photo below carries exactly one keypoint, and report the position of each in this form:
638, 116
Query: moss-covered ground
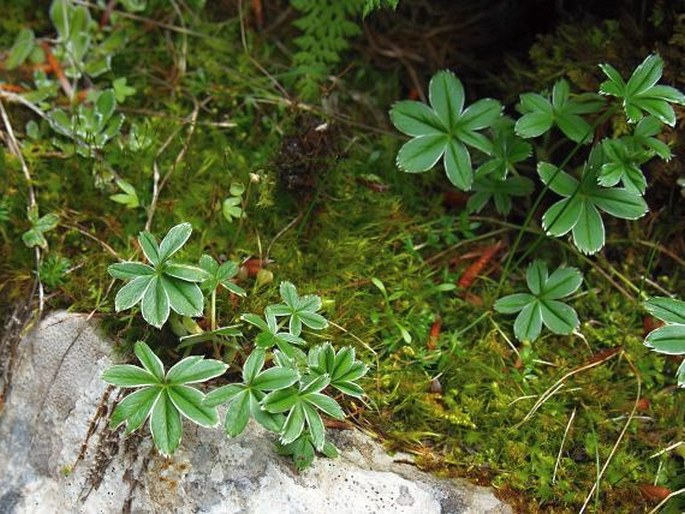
548, 424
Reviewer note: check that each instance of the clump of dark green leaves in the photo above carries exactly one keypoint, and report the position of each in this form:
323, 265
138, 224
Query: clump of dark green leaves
300, 310
35, 236
579, 211
163, 285
163, 397
444, 130
283, 388
90, 127
542, 304
642, 93
610, 181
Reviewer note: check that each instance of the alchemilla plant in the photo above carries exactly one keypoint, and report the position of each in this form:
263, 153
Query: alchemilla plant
283, 388
600, 177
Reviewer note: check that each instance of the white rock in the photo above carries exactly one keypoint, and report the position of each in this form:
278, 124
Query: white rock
58, 456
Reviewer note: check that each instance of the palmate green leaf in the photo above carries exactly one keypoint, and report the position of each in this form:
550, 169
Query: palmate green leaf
623, 165
35, 235
441, 130
301, 310
219, 275
165, 285
231, 208
579, 212
641, 94
644, 136
270, 334
507, 150
168, 396
244, 399
543, 305
342, 367
540, 114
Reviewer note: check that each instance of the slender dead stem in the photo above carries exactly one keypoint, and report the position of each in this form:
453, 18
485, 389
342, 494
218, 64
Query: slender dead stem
561, 447
14, 148
559, 383
158, 182
595, 486
87, 234
254, 61
281, 232
143, 19
15, 98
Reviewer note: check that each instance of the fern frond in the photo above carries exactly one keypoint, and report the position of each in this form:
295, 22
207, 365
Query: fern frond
327, 26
